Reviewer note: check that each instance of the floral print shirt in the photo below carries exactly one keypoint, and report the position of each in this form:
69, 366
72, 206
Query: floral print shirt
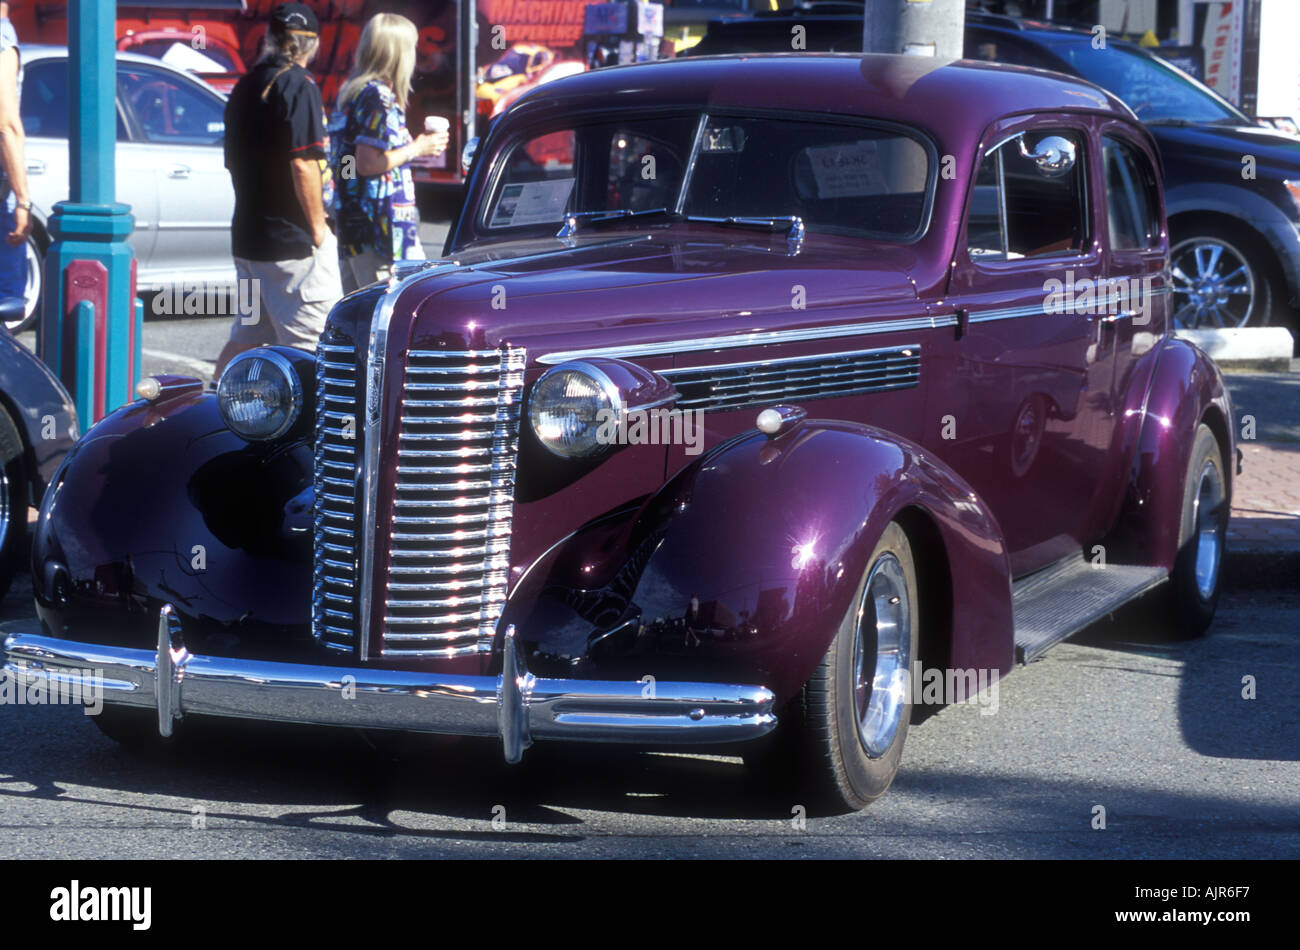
374, 213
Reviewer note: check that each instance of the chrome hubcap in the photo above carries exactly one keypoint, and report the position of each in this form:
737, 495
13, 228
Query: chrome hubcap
881, 656
1209, 536
1212, 283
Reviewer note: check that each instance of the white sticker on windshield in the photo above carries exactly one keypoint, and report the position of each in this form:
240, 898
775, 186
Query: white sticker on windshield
850, 170
532, 202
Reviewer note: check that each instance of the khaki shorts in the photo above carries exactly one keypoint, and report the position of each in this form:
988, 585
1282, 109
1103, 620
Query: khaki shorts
361, 270
366, 268
292, 298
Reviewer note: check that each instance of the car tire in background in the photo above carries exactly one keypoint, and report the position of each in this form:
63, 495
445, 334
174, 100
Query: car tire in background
35, 284
839, 743
1197, 577
1223, 275
14, 549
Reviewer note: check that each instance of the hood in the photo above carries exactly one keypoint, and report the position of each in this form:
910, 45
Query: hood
1200, 143
651, 285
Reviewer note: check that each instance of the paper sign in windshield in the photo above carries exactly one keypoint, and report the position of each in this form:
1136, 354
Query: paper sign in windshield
850, 170
532, 202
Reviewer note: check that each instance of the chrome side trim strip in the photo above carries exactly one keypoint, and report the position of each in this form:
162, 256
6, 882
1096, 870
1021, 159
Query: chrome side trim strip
754, 338
1033, 310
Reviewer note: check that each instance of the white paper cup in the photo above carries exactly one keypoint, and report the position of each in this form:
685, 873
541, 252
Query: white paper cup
437, 123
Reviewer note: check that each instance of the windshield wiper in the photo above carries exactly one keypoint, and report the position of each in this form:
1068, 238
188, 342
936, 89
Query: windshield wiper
792, 224
582, 220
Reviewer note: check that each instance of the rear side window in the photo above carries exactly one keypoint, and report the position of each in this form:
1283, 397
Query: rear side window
1028, 199
44, 105
1130, 197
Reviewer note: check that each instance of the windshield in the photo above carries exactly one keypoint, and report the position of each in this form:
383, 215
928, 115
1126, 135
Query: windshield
1152, 88
845, 178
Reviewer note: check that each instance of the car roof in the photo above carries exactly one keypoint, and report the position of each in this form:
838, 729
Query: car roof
959, 97
45, 51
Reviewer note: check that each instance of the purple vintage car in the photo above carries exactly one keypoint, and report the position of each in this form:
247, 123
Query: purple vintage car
748, 387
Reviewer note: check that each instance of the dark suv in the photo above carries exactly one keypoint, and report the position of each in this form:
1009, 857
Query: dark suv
1232, 186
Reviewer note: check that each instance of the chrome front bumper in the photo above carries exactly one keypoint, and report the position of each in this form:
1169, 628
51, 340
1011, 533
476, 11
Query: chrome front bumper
516, 705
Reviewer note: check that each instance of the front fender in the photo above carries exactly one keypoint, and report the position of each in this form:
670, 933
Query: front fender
161, 503
742, 567
1186, 389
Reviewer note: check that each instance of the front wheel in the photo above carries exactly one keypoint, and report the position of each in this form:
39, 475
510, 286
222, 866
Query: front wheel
1222, 279
1195, 582
844, 736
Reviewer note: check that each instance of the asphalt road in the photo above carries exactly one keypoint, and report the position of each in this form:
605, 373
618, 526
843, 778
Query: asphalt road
1156, 733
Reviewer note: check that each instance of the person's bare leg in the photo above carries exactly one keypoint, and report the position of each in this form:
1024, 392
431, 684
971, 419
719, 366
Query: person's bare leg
228, 352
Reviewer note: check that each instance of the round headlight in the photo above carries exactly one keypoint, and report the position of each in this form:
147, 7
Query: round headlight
260, 396
568, 406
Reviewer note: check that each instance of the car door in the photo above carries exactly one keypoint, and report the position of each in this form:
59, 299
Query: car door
1026, 413
177, 127
44, 112
1137, 251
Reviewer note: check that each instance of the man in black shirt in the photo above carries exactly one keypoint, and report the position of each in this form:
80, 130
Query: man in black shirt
275, 151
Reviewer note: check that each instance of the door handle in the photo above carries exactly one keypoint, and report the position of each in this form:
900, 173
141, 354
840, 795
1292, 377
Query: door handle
35, 166
178, 171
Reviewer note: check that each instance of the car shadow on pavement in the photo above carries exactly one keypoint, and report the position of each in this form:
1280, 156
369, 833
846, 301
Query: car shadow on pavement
1239, 684
333, 778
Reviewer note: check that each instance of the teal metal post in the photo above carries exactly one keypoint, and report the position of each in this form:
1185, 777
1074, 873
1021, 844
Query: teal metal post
88, 329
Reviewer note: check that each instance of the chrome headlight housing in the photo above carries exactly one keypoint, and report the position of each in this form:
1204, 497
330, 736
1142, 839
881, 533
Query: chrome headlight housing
569, 404
260, 395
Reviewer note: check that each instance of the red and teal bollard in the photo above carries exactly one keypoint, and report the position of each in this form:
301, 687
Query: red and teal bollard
90, 328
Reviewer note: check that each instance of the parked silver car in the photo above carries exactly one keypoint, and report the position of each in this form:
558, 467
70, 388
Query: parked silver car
170, 168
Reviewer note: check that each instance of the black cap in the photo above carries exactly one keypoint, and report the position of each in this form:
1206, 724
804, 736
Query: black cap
295, 18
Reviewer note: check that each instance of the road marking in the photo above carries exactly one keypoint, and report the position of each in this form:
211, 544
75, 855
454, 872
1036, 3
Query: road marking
202, 366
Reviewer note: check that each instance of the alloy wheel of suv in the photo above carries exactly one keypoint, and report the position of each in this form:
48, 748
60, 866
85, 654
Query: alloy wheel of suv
1215, 285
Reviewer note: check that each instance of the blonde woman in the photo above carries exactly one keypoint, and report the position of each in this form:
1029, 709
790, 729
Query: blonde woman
370, 155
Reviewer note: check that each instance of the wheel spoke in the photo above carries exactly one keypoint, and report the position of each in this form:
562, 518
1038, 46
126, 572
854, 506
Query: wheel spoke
1212, 267
1181, 314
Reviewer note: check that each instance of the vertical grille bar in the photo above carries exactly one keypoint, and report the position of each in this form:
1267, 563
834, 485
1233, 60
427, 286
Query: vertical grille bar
453, 501
334, 581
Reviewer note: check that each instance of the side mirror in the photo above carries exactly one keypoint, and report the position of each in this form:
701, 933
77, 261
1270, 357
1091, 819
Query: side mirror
1053, 154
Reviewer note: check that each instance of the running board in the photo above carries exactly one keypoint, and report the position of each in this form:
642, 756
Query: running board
1061, 600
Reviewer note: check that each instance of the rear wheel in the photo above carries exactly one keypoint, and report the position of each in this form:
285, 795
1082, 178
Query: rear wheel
1222, 278
843, 738
1195, 582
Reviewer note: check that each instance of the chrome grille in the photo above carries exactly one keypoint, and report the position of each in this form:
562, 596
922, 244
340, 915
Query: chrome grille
824, 376
454, 501
334, 584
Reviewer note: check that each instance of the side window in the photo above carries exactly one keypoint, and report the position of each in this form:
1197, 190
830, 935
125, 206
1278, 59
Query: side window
1130, 197
44, 105
169, 109
1028, 198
